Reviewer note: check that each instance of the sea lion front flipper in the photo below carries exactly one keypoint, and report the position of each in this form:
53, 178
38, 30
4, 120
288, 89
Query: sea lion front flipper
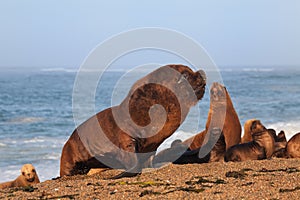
169, 155
125, 175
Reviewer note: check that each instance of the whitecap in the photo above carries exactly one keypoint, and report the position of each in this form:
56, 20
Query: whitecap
51, 156
258, 69
59, 70
25, 120
34, 140
290, 128
2, 145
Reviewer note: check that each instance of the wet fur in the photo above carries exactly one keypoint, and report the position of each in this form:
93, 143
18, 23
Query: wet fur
76, 159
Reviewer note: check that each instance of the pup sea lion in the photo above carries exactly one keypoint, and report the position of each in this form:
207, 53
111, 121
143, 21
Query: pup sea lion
262, 146
125, 136
293, 146
28, 177
191, 156
221, 114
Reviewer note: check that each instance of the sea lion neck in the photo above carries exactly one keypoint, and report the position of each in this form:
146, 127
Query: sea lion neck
266, 140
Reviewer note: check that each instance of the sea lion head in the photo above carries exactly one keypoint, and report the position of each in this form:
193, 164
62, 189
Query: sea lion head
281, 137
197, 80
257, 127
28, 171
218, 92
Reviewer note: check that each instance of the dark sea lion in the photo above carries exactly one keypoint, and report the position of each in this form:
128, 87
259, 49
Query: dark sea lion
280, 144
216, 151
261, 147
28, 177
293, 146
221, 114
125, 136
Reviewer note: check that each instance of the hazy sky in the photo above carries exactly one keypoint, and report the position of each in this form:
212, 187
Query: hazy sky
235, 33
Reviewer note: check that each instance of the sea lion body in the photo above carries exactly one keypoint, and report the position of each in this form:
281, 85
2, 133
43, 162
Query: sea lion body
216, 150
221, 114
173, 154
261, 147
28, 177
113, 137
293, 146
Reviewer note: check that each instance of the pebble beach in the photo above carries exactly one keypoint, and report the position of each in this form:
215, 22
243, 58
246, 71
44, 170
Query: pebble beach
265, 179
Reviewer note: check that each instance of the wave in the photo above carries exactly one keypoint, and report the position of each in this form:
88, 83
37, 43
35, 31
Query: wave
34, 140
258, 69
51, 156
3, 145
59, 70
25, 120
290, 128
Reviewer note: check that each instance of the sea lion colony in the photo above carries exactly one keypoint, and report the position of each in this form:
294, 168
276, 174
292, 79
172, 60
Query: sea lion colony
220, 141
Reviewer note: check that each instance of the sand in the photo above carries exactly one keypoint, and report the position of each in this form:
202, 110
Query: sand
266, 179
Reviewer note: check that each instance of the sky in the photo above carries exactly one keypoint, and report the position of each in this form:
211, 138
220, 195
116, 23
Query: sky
52, 33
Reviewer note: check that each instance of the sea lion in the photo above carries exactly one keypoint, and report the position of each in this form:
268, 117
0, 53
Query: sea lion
28, 177
280, 144
280, 139
221, 114
261, 147
126, 135
216, 151
293, 146
247, 137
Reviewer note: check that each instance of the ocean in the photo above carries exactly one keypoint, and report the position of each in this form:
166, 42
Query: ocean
36, 116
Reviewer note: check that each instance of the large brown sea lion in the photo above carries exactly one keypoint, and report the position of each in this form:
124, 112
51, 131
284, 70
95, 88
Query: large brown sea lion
261, 147
173, 154
293, 146
28, 177
125, 136
222, 115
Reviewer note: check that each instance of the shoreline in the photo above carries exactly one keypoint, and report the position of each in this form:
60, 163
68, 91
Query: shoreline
264, 179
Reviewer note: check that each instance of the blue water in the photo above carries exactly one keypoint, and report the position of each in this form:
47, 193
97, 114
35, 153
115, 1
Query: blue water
36, 115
